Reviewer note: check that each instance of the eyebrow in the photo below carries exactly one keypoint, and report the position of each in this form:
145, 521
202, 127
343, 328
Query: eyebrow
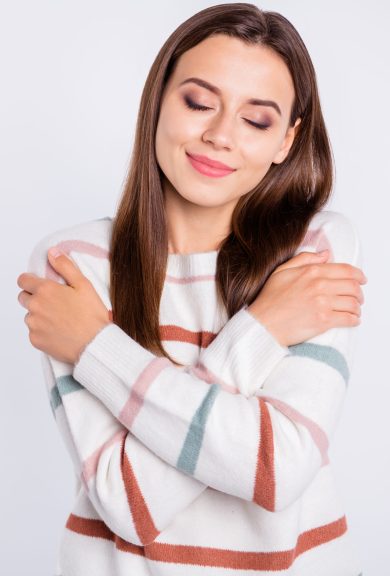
216, 90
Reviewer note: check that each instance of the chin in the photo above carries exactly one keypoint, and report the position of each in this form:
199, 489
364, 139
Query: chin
208, 200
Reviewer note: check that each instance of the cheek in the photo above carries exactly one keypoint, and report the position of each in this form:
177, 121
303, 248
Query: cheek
259, 163
260, 155
174, 127
165, 138
171, 136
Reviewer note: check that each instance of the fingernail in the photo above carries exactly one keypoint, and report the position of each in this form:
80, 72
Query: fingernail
55, 252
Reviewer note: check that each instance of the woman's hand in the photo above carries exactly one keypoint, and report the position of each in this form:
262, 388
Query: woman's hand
62, 319
306, 296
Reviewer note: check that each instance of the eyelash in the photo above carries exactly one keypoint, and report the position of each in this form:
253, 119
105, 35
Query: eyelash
194, 106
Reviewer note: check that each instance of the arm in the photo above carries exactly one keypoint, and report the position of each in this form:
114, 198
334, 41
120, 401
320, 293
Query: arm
136, 493
265, 448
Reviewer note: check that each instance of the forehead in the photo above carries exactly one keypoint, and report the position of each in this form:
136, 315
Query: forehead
240, 70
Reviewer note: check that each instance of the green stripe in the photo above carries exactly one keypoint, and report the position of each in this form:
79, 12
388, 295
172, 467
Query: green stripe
55, 398
326, 354
67, 384
64, 385
191, 448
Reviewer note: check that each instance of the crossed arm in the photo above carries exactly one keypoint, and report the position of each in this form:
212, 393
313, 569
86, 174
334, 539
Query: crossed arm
157, 436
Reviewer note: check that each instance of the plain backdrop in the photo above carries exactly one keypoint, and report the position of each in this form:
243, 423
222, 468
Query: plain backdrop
71, 78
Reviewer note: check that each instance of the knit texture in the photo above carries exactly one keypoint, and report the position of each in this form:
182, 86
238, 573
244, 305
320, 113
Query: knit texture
216, 468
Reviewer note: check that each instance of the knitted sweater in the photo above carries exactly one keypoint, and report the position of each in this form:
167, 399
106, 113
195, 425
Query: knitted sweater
219, 467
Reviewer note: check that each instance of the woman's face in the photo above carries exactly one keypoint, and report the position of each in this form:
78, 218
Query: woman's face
223, 75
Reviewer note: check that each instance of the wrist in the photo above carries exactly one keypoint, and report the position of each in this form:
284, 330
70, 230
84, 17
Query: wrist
92, 335
261, 317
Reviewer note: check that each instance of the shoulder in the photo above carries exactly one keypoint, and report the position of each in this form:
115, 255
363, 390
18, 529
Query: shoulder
332, 230
90, 239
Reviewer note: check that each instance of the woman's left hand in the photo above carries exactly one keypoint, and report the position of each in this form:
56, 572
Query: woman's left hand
62, 319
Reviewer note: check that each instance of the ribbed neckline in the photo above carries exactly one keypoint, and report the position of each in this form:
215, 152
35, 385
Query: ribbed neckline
192, 264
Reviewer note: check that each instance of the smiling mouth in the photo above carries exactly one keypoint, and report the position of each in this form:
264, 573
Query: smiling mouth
208, 170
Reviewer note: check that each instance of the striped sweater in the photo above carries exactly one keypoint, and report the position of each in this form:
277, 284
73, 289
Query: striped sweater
219, 467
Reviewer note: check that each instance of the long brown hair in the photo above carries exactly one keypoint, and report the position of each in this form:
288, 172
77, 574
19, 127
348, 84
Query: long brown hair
268, 223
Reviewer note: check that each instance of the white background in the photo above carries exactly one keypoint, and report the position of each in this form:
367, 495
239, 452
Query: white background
71, 78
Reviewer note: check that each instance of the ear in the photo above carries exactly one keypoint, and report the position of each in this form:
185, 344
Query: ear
287, 142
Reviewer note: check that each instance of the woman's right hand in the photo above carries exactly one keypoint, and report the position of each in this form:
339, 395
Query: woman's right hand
305, 296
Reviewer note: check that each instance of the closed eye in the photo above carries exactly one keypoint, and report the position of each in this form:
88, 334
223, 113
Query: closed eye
194, 106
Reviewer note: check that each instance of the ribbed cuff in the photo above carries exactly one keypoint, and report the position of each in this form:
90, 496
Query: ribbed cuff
243, 353
110, 364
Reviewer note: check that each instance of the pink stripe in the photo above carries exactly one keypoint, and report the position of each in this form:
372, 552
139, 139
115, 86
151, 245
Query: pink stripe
318, 240
141, 385
89, 466
315, 238
205, 374
318, 435
81, 246
190, 279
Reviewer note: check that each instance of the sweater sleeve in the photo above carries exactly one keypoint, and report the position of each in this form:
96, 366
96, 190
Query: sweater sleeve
264, 444
136, 493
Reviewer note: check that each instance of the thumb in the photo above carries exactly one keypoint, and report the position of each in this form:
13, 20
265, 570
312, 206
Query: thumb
311, 257
65, 266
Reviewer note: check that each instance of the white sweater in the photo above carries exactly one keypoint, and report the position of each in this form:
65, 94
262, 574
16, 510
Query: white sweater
217, 468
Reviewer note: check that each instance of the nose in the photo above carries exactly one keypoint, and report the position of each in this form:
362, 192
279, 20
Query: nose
219, 131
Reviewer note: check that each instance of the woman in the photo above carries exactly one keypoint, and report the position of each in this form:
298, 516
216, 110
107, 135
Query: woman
196, 348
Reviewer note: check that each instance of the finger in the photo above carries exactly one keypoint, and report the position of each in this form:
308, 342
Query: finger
343, 287
24, 298
346, 304
29, 282
66, 267
343, 319
342, 270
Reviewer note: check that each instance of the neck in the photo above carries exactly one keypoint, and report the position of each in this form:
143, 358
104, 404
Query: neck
193, 228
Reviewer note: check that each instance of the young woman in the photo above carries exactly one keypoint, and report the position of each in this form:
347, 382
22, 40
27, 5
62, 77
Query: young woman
196, 347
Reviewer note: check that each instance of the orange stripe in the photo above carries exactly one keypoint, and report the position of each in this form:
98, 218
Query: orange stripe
89, 527
216, 557
143, 521
246, 560
264, 490
179, 334
97, 529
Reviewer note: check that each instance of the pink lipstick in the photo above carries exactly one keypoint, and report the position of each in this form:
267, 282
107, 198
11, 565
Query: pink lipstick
209, 167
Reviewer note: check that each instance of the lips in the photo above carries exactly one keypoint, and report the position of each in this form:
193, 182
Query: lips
208, 167
209, 162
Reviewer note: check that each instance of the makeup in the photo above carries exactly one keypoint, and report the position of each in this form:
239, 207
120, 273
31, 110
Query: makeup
208, 170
